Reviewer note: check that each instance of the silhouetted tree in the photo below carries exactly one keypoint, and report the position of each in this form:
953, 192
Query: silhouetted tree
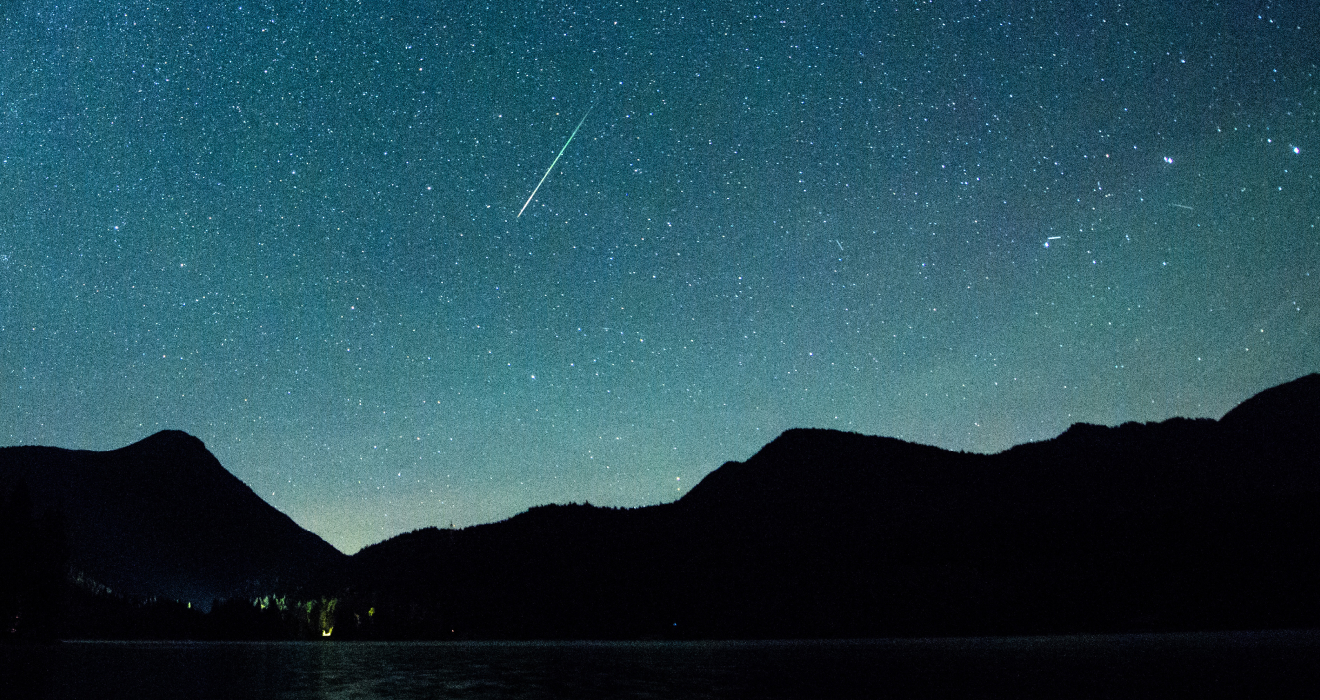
33, 557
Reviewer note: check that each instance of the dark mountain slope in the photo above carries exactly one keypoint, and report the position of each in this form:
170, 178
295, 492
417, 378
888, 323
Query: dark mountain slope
162, 517
1275, 435
570, 571
1183, 524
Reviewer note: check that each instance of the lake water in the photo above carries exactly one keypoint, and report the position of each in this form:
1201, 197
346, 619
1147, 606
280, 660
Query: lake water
1253, 664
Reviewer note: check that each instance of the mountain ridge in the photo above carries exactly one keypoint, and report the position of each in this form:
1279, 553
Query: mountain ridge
1180, 524
1176, 524
163, 517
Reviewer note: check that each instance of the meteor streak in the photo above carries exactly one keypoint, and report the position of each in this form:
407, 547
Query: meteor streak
556, 160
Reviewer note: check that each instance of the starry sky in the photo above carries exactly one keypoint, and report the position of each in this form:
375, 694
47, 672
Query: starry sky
291, 229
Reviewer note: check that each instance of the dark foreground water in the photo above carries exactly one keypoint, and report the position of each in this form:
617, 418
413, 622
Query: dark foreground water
1254, 664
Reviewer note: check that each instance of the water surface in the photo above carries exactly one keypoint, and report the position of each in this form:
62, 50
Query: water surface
1254, 664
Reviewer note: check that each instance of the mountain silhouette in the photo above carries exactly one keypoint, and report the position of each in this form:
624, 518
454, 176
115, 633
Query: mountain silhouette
1181, 524
1184, 524
162, 517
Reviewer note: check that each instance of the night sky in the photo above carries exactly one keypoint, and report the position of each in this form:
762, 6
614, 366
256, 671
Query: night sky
291, 229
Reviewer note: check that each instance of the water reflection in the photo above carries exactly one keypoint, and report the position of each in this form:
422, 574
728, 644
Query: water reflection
1223, 665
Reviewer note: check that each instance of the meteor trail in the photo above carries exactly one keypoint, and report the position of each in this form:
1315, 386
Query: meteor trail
556, 160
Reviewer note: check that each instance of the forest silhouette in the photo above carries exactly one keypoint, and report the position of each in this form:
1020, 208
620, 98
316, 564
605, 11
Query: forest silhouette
1186, 524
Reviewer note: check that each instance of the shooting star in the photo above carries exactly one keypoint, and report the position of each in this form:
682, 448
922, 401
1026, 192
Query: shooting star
1051, 238
1182, 206
556, 160
840, 244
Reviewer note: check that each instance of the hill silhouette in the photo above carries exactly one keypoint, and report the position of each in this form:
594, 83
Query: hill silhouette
162, 517
1182, 524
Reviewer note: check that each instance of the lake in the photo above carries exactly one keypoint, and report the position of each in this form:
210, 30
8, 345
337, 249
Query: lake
1245, 664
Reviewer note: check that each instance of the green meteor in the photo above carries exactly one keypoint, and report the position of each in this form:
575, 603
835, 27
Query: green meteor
556, 160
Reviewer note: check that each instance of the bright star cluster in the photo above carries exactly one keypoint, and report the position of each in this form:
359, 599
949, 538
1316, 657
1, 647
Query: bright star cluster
291, 229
